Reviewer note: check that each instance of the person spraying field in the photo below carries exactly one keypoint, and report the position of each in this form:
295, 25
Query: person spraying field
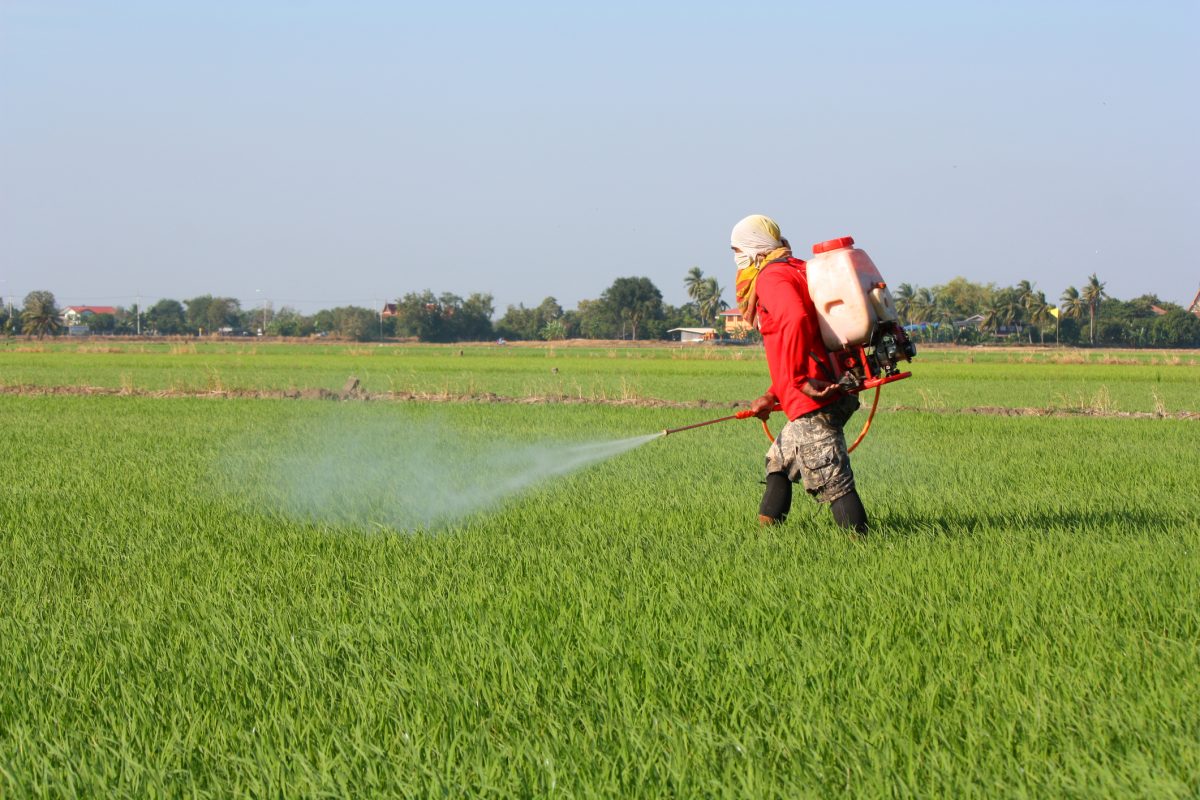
817, 361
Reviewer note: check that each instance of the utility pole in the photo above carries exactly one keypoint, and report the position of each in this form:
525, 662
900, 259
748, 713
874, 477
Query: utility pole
138, 308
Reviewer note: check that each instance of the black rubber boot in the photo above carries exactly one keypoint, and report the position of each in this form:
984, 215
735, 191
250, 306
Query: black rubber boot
776, 500
848, 512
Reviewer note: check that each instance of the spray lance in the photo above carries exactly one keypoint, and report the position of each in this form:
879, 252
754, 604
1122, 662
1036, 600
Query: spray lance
747, 414
859, 326
743, 414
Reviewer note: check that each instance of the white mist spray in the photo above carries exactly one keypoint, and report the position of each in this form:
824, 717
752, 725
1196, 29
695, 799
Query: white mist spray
401, 474
536, 463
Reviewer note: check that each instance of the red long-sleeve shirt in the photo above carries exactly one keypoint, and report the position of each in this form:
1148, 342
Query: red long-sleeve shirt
791, 335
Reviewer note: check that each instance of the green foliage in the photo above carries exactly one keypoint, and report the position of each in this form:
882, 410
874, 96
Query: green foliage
1069, 330
208, 314
288, 322
705, 294
1022, 312
445, 318
1072, 303
126, 321
166, 317
473, 321
1039, 311
323, 322
553, 330
521, 323
1146, 321
685, 316
1092, 295
1176, 328
595, 320
632, 308
41, 315
964, 298
1005, 312
355, 323
630, 302
101, 323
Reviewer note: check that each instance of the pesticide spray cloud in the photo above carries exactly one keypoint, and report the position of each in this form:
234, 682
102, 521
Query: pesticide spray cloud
400, 474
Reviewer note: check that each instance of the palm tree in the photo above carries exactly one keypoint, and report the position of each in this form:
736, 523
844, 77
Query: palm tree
1072, 303
904, 299
41, 314
942, 314
710, 301
694, 283
923, 303
1039, 313
1004, 310
1024, 291
992, 316
1016, 312
921, 308
1093, 293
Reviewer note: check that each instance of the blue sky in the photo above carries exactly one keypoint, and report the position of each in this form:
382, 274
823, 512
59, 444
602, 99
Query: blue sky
318, 153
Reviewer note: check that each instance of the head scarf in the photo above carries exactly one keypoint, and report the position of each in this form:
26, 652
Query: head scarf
757, 237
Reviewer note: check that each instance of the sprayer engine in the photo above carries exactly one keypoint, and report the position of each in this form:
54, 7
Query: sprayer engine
869, 365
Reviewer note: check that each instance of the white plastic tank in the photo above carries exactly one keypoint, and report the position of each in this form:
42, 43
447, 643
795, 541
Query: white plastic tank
849, 293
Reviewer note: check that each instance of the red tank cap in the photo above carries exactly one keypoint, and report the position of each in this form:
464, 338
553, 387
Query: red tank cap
833, 244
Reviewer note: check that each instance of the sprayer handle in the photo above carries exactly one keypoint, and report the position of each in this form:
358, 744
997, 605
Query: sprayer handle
747, 413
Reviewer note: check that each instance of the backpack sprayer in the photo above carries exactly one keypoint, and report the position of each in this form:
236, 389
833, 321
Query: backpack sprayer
859, 326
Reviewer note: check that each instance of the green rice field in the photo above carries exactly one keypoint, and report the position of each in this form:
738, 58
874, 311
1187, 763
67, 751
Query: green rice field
1131, 381
205, 595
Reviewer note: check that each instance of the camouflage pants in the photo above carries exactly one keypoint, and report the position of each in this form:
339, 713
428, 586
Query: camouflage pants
811, 449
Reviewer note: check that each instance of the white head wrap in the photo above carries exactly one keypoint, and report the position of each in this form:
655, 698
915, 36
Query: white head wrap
756, 236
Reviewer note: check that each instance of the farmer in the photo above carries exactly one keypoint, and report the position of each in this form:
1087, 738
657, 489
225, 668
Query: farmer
772, 292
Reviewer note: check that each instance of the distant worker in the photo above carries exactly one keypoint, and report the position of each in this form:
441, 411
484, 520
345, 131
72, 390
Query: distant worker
772, 293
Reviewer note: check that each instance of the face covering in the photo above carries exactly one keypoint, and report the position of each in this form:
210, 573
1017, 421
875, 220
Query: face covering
759, 240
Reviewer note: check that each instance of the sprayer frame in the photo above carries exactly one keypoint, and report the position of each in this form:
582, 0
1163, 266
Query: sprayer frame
852, 358
869, 380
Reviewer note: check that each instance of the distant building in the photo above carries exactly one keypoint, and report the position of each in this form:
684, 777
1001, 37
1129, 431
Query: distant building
735, 326
389, 310
1195, 306
78, 315
695, 334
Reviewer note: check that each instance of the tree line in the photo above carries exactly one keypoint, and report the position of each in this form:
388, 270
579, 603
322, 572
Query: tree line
959, 311
971, 313
631, 308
